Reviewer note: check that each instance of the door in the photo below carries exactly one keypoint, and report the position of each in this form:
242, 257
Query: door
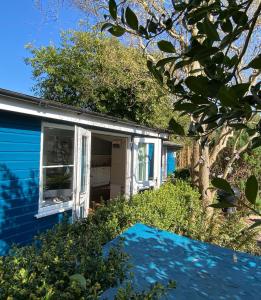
146, 163
82, 178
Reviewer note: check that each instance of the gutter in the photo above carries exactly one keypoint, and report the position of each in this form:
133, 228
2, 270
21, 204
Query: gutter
53, 104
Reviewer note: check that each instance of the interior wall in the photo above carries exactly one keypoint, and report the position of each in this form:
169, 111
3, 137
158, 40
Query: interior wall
108, 167
118, 167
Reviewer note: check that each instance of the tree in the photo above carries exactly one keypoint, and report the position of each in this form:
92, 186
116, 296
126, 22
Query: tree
99, 73
211, 66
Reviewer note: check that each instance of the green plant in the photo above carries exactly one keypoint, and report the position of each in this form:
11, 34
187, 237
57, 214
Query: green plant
68, 261
177, 207
81, 73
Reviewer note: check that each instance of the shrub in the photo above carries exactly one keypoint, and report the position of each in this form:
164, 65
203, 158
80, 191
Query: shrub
67, 262
177, 208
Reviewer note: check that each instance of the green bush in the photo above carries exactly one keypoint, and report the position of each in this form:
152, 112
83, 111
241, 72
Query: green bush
67, 262
177, 208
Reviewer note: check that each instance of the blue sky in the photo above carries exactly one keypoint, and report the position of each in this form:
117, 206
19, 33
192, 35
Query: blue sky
22, 22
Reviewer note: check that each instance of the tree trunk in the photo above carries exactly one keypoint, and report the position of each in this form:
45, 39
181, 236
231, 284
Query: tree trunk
195, 155
204, 175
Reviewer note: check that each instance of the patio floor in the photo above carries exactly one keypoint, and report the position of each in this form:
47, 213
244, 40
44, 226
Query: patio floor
201, 270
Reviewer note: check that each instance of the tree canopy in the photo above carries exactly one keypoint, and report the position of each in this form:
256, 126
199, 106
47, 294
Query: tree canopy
212, 69
99, 73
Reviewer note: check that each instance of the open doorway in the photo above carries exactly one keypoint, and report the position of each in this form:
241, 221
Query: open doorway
108, 168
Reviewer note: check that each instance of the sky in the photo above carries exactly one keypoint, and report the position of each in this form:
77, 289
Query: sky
23, 22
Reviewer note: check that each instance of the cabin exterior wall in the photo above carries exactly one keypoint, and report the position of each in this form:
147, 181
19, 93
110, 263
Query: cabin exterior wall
20, 138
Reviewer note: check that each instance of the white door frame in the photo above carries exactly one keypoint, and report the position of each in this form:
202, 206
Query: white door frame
155, 182
81, 197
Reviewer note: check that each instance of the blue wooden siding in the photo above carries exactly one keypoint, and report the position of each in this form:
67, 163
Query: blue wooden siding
19, 180
171, 162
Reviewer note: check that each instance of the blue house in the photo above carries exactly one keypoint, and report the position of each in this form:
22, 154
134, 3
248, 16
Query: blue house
56, 158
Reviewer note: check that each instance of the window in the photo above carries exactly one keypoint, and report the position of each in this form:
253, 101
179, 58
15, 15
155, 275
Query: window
145, 161
164, 163
57, 165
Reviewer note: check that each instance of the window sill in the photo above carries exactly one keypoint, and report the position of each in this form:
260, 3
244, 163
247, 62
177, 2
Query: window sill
54, 209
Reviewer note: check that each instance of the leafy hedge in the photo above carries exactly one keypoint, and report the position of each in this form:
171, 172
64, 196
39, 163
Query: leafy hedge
177, 208
67, 262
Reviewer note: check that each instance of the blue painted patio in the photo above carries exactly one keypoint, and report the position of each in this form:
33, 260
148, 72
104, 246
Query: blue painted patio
201, 270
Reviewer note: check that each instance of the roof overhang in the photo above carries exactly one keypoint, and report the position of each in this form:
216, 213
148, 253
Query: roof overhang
172, 145
33, 106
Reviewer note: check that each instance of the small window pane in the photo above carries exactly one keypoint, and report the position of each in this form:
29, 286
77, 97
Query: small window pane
57, 185
142, 162
58, 146
151, 161
84, 164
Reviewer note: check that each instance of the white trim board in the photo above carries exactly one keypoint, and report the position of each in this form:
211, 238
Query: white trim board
18, 106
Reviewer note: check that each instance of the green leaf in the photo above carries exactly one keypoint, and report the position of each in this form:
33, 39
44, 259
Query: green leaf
188, 107
255, 63
222, 184
182, 64
165, 61
256, 224
240, 18
117, 30
218, 58
154, 71
251, 189
210, 30
113, 9
226, 26
152, 26
256, 142
176, 127
80, 279
227, 96
238, 126
240, 89
131, 19
106, 25
222, 204
166, 46
197, 84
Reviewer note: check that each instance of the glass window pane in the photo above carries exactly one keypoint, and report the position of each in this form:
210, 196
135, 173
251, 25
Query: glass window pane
57, 185
58, 146
142, 162
84, 164
151, 161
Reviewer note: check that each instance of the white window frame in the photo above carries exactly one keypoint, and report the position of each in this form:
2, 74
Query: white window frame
55, 208
155, 182
164, 165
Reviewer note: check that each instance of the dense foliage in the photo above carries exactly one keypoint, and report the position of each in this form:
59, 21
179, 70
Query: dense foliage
213, 73
67, 262
177, 208
91, 71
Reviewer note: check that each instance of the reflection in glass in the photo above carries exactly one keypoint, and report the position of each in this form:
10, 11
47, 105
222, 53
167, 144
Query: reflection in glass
57, 185
58, 146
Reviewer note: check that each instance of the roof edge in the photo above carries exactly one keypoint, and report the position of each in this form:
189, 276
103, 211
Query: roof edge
59, 105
